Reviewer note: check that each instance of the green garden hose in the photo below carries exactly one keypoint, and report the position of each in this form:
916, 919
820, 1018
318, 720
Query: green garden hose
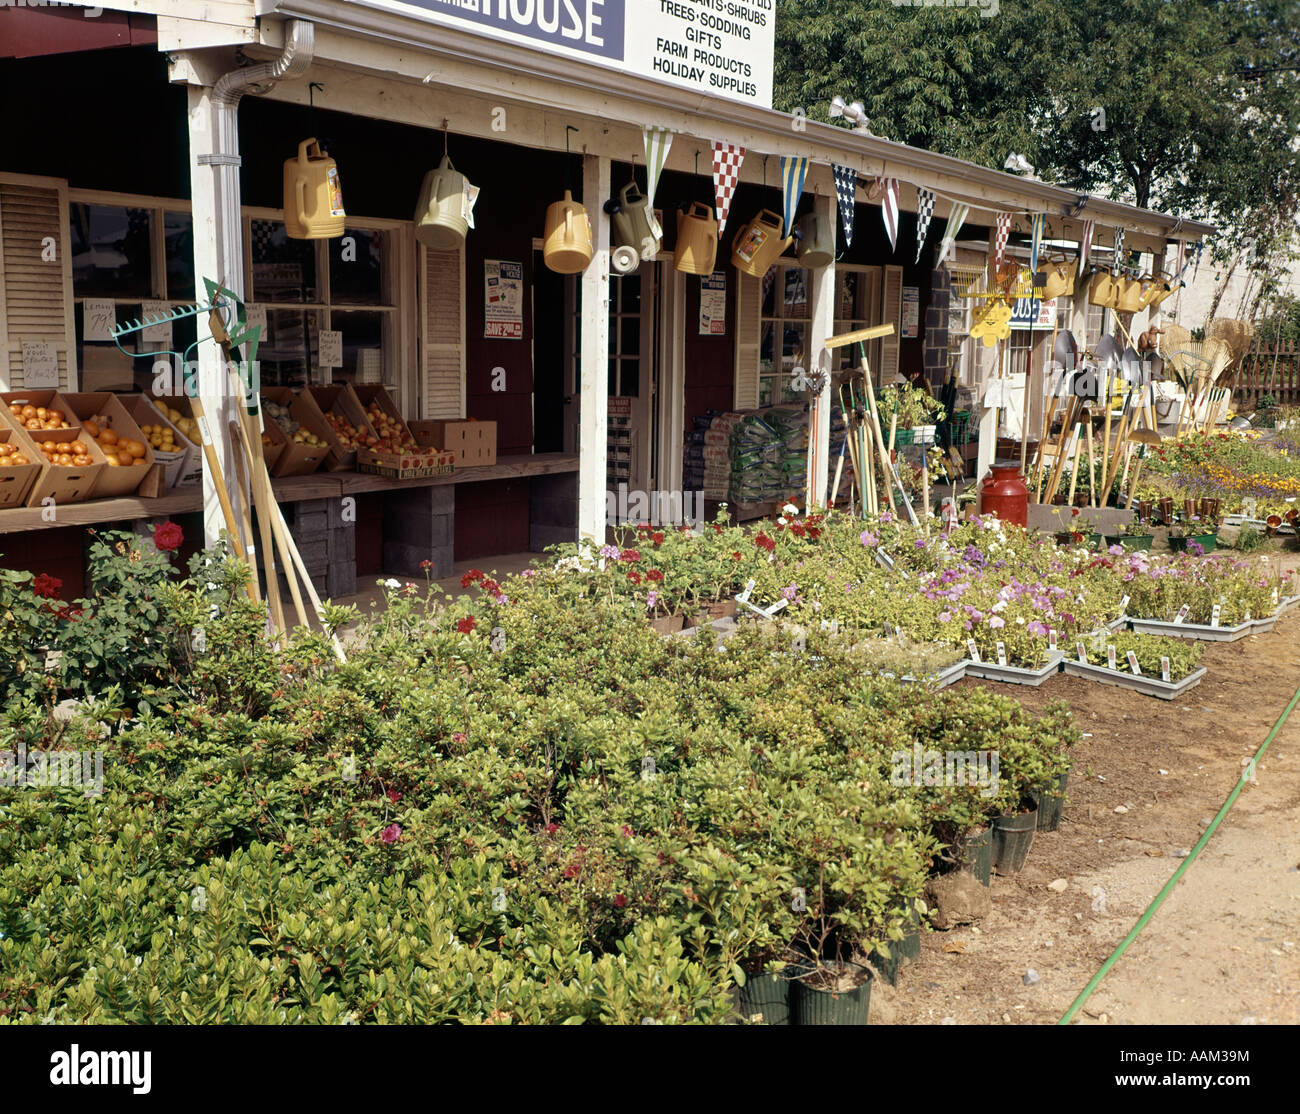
1068, 1016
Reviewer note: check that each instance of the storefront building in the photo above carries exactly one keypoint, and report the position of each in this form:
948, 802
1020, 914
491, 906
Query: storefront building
598, 381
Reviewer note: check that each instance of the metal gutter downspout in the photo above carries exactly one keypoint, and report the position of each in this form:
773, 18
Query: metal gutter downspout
299, 48
226, 260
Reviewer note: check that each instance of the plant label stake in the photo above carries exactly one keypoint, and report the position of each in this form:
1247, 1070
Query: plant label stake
1183, 611
1133, 663
1082, 651
1110, 657
1002, 653
972, 649
1123, 604
1215, 613
743, 597
1164, 670
1051, 640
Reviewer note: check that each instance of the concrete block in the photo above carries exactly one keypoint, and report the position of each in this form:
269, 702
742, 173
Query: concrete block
341, 580
342, 545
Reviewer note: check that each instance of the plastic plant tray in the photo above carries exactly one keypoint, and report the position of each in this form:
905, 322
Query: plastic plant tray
1203, 631
1149, 686
1015, 674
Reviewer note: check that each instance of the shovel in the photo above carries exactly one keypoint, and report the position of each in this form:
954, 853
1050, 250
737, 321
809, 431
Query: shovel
1065, 355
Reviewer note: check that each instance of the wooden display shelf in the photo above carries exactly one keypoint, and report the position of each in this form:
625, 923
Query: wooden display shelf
291, 489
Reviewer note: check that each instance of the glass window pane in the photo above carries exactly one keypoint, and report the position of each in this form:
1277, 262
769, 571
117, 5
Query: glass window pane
284, 270
613, 378
357, 267
766, 347
796, 293
629, 330
793, 346
847, 299
630, 378
178, 233
111, 255
361, 329
769, 291
288, 350
630, 286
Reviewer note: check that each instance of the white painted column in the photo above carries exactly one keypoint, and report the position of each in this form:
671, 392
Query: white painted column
820, 329
218, 255
988, 429
593, 366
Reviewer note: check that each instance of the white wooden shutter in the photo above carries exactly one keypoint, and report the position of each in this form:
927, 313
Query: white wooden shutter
442, 296
35, 276
749, 325
891, 313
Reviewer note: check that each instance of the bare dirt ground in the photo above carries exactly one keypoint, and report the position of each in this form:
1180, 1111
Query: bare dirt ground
1224, 948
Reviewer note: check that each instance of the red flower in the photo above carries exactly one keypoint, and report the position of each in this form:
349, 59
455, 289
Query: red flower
764, 542
814, 532
630, 555
47, 587
797, 530
1074, 513
490, 586
168, 536
459, 737
657, 538
472, 576
634, 577
717, 529
654, 575
626, 829
736, 556
552, 828
393, 795
467, 624
466, 580
391, 834
619, 901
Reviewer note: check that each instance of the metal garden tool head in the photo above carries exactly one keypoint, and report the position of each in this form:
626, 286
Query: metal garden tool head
1131, 365
1108, 353
1065, 352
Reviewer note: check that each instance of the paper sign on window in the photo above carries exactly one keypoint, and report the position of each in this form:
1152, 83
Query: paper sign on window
40, 365
100, 318
330, 348
163, 330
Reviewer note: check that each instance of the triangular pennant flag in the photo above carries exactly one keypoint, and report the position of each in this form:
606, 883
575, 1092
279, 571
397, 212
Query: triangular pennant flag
924, 211
657, 143
846, 192
955, 220
1038, 222
1085, 243
1001, 234
793, 172
726, 176
889, 210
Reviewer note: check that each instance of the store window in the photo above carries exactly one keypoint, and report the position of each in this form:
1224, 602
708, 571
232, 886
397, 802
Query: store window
783, 340
857, 305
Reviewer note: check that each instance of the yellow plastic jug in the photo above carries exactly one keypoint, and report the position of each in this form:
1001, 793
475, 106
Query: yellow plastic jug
758, 243
567, 246
440, 220
697, 240
816, 241
634, 222
1102, 290
313, 200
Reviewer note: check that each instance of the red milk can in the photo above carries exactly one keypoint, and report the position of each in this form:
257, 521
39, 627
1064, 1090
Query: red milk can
1004, 494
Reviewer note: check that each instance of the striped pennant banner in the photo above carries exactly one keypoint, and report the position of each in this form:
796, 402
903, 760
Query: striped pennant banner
846, 193
1119, 247
955, 220
658, 141
1002, 232
889, 210
924, 212
1038, 224
1085, 243
793, 172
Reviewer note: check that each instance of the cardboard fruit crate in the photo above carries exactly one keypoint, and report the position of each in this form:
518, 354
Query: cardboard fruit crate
182, 468
60, 483
49, 400
373, 394
292, 458
406, 466
341, 400
15, 479
117, 480
473, 442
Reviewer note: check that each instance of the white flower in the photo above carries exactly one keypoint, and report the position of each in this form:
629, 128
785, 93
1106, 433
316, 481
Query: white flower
390, 583
781, 520
1020, 621
789, 508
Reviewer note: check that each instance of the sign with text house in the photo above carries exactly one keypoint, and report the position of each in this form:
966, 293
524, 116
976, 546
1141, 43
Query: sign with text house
719, 47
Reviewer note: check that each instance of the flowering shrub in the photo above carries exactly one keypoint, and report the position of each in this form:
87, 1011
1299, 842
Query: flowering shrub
1228, 466
1160, 587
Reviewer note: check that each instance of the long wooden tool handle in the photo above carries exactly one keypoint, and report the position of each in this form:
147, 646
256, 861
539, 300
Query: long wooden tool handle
245, 514
875, 426
223, 494
260, 485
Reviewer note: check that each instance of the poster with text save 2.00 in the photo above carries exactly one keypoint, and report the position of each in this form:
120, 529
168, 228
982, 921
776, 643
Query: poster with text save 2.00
723, 48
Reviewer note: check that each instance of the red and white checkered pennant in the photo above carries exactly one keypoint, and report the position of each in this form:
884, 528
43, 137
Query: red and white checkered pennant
726, 176
1001, 233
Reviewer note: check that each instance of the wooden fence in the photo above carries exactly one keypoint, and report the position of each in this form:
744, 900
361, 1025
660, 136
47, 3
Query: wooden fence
1269, 371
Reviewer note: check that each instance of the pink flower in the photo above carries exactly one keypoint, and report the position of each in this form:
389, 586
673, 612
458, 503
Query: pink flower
619, 901
997, 621
391, 834
393, 795
626, 830
459, 737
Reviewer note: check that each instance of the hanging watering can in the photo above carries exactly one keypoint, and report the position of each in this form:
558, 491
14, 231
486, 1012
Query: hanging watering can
440, 219
697, 240
634, 227
1130, 294
567, 246
313, 200
1102, 290
816, 241
1060, 280
758, 244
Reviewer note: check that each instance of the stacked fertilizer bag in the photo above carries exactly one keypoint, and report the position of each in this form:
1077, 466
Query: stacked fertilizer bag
717, 456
